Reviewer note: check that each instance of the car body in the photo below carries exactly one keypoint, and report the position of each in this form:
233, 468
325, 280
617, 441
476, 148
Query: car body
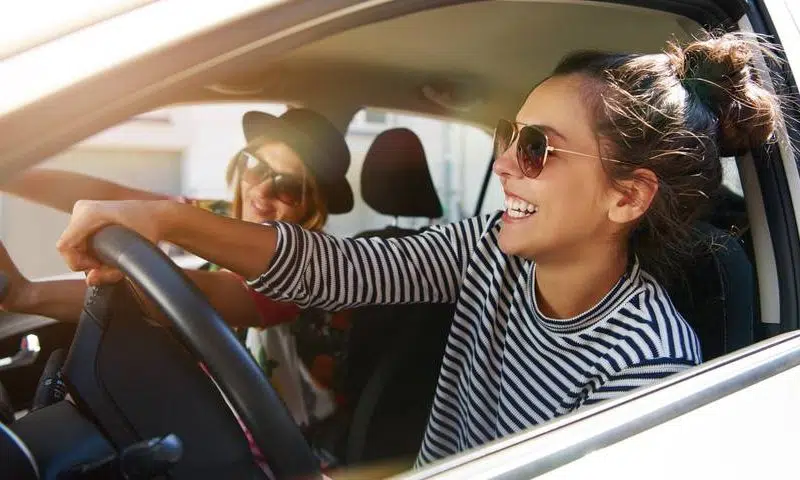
472, 61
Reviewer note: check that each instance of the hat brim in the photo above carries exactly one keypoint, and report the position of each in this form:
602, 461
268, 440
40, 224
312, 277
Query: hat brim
338, 194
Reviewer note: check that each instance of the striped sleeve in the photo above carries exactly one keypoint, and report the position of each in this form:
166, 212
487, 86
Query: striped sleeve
317, 270
630, 378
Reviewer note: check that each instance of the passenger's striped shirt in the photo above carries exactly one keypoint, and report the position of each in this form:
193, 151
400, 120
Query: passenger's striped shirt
506, 366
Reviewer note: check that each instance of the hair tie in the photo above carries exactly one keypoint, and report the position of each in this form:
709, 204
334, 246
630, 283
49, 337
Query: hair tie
702, 89
702, 79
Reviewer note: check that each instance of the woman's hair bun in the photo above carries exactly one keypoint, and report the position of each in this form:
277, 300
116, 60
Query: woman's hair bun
719, 72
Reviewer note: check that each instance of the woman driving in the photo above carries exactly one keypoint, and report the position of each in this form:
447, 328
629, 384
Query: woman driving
605, 168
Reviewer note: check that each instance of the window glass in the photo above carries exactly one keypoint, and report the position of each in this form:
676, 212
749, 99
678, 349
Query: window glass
182, 150
730, 176
457, 155
375, 116
494, 199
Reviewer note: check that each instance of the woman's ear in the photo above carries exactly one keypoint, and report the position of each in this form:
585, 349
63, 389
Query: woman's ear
636, 196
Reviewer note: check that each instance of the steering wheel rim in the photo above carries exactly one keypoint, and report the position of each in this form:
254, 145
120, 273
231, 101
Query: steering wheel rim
206, 335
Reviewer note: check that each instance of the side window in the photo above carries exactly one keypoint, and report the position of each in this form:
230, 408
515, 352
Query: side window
185, 150
182, 150
457, 157
730, 176
376, 117
494, 199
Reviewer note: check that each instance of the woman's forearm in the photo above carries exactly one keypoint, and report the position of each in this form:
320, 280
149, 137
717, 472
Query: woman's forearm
229, 297
63, 300
57, 299
242, 247
313, 269
60, 189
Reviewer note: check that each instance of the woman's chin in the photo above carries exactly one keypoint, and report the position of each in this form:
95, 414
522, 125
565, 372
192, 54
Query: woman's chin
508, 242
514, 242
257, 217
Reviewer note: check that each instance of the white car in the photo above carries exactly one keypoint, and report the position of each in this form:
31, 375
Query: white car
463, 60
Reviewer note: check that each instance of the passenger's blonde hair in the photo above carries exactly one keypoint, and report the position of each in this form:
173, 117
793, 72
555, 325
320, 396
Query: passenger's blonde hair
316, 210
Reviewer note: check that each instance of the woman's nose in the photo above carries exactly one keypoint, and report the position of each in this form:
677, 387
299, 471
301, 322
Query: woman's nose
505, 163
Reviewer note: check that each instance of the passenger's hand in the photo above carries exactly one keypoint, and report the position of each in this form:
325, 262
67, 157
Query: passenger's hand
90, 216
18, 285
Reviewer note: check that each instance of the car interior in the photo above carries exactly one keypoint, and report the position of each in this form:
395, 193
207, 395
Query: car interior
133, 383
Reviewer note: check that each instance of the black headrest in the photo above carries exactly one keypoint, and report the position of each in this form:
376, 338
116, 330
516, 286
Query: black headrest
395, 179
715, 292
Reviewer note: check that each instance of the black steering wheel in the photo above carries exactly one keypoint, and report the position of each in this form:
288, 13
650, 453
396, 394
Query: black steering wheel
205, 334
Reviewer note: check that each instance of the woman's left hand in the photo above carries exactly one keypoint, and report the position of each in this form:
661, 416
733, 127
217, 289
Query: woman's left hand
90, 216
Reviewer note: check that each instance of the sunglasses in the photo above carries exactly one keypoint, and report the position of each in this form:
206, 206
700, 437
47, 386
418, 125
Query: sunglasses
287, 188
532, 146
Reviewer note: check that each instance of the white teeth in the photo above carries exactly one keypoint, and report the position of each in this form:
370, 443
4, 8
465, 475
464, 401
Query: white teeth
518, 208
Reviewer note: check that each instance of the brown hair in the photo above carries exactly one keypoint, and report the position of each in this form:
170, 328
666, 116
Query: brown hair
675, 113
316, 211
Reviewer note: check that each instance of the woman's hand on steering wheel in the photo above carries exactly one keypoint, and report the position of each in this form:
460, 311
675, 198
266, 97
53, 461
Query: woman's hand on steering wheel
90, 216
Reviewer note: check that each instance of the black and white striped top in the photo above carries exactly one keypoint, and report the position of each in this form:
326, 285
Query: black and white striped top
506, 366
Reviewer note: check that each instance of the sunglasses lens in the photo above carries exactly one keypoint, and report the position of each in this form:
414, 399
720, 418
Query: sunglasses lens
252, 169
284, 188
287, 189
249, 160
531, 151
503, 134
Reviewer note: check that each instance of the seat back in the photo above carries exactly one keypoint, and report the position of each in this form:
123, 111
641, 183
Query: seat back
395, 351
716, 292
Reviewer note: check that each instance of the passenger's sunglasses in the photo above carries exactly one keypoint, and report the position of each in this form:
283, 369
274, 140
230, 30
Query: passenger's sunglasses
287, 188
532, 146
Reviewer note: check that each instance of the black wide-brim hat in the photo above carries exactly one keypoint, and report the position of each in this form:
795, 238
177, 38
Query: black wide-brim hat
319, 145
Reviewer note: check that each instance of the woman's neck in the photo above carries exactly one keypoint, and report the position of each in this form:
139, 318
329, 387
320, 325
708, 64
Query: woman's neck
565, 289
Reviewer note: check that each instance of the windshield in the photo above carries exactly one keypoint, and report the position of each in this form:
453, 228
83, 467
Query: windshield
33, 22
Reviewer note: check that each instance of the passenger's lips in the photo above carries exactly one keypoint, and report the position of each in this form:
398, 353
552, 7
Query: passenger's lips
261, 209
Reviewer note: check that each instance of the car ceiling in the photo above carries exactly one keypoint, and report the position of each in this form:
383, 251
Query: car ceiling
487, 54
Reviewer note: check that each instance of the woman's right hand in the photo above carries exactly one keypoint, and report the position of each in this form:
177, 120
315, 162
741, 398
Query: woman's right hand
90, 216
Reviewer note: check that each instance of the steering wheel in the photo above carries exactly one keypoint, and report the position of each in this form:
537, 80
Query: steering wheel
207, 337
